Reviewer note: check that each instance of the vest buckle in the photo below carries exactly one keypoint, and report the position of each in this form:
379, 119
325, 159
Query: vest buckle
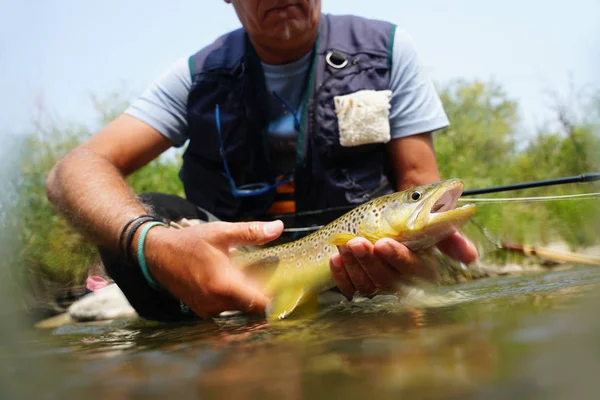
336, 59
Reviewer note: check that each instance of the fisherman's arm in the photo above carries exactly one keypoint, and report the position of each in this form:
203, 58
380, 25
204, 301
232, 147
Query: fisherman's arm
88, 187
416, 111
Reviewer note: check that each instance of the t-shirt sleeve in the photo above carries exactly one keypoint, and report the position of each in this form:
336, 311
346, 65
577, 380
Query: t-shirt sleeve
415, 104
163, 105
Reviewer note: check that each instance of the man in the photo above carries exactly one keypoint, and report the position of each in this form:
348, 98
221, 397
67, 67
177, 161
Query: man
269, 113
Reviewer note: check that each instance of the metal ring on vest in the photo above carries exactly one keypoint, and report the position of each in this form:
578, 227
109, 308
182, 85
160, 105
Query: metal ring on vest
339, 60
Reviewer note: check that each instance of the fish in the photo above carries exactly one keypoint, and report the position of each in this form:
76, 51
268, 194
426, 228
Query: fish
294, 273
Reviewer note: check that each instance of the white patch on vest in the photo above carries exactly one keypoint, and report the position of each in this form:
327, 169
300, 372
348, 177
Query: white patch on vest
363, 117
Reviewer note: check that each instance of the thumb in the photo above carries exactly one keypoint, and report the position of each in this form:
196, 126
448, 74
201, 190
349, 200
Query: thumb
245, 233
459, 248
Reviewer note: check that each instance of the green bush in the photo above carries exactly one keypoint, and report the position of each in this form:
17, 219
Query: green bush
480, 147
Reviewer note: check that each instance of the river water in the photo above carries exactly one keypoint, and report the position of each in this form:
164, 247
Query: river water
528, 336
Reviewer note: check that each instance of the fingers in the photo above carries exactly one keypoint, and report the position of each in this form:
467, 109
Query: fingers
403, 260
243, 233
231, 291
459, 248
247, 298
379, 273
366, 268
356, 272
340, 276
357, 269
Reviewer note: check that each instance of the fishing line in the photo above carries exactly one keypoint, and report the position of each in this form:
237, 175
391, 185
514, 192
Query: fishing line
305, 229
583, 196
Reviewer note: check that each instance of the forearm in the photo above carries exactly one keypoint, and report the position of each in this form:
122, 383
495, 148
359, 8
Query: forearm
91, 193
413, 160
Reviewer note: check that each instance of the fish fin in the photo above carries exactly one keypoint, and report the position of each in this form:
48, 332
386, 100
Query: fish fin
285, 302
340, 239
371, 237
259, 271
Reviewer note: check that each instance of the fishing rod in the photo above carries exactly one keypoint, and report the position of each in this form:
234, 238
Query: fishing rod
582, 178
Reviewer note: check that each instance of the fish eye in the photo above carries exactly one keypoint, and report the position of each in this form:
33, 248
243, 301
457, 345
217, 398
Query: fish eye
415, 196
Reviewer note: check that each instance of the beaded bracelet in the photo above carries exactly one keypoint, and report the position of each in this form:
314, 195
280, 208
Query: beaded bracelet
140, 253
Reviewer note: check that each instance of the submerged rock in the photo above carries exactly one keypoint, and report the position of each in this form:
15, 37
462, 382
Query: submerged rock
55, 321
106, 303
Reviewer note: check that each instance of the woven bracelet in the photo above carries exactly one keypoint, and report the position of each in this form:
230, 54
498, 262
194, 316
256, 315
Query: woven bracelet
128, 224
131, 234
142, 258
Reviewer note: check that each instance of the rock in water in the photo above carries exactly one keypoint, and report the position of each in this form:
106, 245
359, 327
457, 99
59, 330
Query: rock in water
106, 303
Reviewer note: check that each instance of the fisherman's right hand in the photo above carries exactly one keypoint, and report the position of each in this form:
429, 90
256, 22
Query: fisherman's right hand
194, 264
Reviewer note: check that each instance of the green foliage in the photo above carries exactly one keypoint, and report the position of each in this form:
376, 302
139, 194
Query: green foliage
479, 143
160, 175
480, 147
53, 257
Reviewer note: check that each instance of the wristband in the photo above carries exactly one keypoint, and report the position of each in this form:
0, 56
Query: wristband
122, 236
131, 234
140, 253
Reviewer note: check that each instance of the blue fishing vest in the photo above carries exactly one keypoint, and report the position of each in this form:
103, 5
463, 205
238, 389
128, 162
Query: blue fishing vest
351, 54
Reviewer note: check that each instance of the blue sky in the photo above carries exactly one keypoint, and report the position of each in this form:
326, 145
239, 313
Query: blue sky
63, 50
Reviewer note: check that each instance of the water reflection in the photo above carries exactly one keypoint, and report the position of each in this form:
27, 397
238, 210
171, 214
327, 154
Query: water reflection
353, 350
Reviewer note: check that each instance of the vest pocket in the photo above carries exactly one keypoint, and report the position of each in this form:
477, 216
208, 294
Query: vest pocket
365, 180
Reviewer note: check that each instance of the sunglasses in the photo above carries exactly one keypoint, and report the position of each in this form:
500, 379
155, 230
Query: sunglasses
250, 189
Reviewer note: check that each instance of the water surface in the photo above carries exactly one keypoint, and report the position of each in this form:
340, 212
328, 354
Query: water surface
528, 336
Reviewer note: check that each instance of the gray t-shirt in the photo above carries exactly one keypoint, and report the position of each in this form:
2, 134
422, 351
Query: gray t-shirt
415, 104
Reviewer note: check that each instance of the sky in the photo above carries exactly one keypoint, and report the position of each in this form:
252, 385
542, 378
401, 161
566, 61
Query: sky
60, 52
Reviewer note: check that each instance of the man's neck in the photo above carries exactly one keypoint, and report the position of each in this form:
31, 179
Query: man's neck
277, 56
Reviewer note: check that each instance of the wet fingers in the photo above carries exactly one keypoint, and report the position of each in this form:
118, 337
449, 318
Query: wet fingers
380, 274
340, 276
403, 260
359, 278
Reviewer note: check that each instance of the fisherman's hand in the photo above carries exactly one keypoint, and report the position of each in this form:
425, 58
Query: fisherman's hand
366, 268
458, 247
194, 264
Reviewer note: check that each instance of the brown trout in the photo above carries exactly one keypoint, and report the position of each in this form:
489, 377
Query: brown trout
296, 272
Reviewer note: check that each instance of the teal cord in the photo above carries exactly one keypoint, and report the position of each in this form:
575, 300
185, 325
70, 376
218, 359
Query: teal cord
140, 254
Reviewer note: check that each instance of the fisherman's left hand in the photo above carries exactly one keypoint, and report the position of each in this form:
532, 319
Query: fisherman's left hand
366, 268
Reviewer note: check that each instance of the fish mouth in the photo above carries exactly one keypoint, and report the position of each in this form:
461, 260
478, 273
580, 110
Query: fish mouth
440, 206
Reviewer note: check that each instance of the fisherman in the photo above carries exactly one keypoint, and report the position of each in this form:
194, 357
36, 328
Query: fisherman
296, 111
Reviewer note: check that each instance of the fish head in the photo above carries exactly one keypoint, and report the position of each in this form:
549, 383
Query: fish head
424, 215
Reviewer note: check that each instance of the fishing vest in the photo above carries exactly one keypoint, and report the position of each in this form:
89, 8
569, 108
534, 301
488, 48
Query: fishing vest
351, 54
